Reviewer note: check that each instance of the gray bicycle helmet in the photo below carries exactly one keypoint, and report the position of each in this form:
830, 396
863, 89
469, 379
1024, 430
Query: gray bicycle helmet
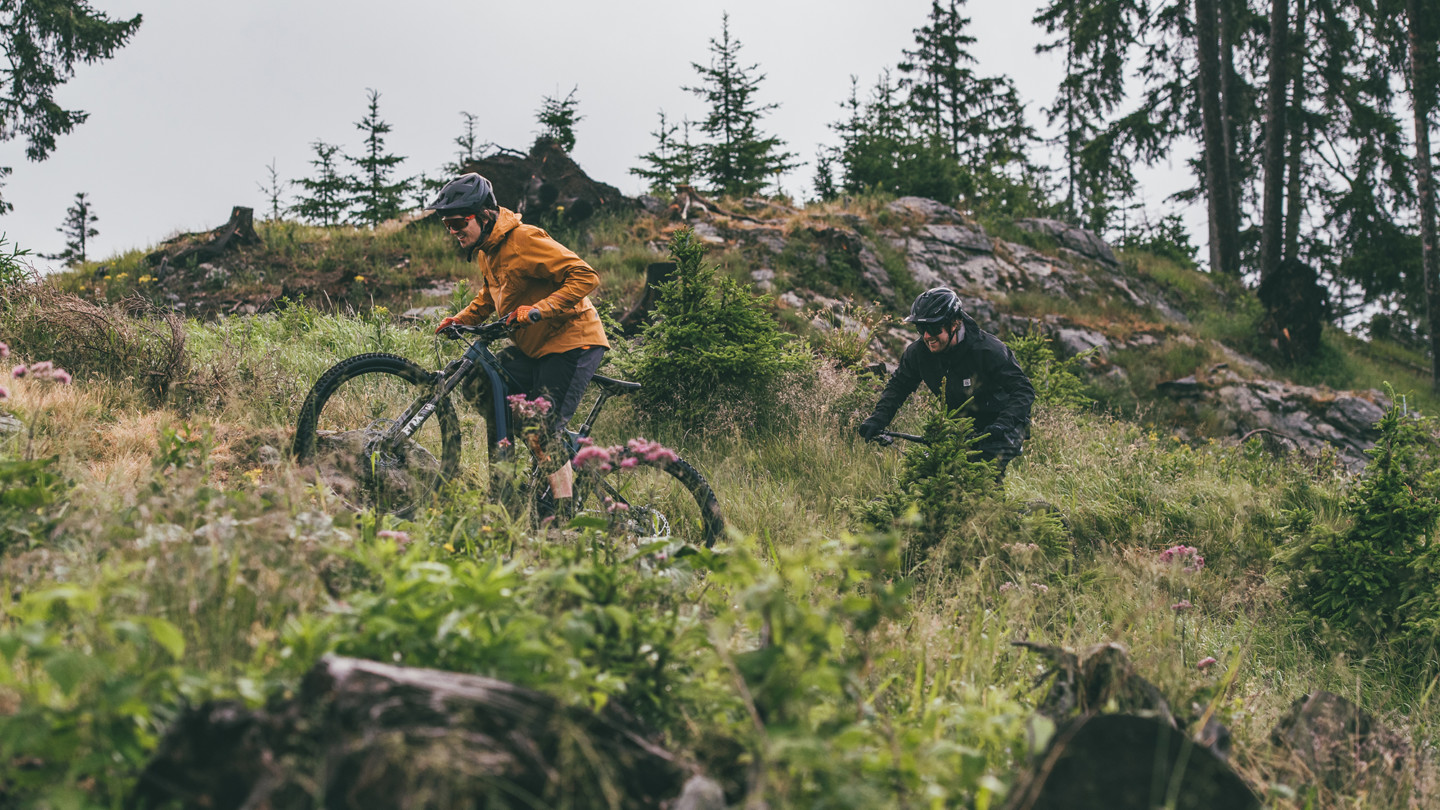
466, 194
940, 305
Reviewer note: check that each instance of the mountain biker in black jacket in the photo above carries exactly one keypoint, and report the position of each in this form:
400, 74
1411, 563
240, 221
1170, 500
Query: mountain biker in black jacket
959, 362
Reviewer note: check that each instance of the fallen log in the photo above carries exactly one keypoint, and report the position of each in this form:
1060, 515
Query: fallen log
362, 734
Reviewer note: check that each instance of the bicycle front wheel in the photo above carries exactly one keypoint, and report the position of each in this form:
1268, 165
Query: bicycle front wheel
655, 500
347, 413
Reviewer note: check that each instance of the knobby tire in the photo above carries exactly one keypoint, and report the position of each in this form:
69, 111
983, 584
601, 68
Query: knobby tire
404, 382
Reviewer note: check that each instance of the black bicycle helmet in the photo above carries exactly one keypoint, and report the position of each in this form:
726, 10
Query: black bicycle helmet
466, 194
940, 305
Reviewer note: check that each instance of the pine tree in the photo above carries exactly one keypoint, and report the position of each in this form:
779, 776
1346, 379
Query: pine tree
323, 199
374, 198
882, 148
41, 41
273, 188
738, 160
1095, 36
979, 119
674, 161
77, 231
558, 118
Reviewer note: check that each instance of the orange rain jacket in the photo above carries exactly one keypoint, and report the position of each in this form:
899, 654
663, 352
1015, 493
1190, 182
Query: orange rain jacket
521, 264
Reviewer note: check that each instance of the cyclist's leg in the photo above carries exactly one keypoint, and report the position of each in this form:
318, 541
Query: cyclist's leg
562, 378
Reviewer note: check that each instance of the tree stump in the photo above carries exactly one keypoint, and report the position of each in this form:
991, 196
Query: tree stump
238, 230
1126, 762
656, 274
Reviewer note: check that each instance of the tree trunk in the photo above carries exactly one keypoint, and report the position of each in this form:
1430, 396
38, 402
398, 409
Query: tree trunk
1295, 207
1274, 188
1422, 67
1224, 257
1230, 100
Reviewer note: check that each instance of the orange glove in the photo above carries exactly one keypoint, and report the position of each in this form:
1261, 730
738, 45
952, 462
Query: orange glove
525, 312
446, 323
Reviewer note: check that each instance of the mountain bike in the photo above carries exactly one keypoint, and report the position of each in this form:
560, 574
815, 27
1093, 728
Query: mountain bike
383, 434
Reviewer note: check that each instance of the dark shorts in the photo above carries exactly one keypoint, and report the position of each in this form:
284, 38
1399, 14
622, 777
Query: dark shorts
560, 377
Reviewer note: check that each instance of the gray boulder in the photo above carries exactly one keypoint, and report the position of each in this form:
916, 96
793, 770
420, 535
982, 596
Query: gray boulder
1086, 243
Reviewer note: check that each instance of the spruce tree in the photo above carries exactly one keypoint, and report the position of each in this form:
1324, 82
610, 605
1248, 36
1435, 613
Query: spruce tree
1095, 36
41, 41
323, 199
979, 119
78, 230
374, 197
739, 160
674, 160
558, 118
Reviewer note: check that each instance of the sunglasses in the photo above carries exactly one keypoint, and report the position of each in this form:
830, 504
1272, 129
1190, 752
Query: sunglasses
457, 223
933, 329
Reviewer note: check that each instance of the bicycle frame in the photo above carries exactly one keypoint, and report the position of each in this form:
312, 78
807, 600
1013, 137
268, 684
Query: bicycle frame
501, 384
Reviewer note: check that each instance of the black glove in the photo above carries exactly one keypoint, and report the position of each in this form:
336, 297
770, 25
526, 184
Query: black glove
869, 429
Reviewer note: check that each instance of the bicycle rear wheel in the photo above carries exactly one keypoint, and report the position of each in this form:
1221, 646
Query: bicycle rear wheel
346, 414
654, 501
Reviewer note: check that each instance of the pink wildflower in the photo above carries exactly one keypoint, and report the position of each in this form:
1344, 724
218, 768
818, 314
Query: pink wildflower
628, 462
653, 452
61, 376
1008, 586
1181, 606
526, 408
3, 393
593, 458
504, 444
1188, 556
1042, 588
4, 351
1205, 663
41, 367
18, 372
401, 539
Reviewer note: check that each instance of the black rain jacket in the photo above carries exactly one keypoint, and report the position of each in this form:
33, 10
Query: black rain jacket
980, 367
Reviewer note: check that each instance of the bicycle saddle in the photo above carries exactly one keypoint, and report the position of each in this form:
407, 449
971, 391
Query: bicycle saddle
614, 386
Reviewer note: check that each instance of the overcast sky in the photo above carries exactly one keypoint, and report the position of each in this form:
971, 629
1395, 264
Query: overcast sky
186, 118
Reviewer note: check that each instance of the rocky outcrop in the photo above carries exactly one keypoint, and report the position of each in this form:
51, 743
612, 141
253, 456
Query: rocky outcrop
1310, 419
1339, 742
940, 246
1078, 241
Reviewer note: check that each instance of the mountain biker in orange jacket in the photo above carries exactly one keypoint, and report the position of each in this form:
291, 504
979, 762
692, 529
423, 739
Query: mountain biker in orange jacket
960, 363
540, 285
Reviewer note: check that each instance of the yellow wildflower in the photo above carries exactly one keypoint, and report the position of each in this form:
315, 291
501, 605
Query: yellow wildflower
359, 278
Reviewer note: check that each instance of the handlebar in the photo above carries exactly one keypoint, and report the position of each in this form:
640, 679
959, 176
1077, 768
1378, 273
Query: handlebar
886, 438
496, 329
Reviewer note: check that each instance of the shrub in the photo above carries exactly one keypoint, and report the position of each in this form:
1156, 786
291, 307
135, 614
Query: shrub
711, 342
1055, 380
131, 340
1375, 577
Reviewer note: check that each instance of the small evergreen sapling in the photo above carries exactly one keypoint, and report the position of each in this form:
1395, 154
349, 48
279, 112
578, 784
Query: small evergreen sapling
273, 189
558, 118
1376, 577
322, 199
374, 196
673, 162
711, 341
77, 230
